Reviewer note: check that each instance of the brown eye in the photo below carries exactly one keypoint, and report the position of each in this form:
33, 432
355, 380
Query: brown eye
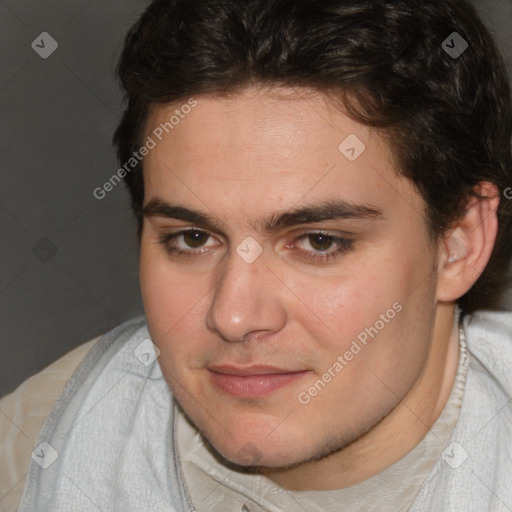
321, 242
195, 239
319, 248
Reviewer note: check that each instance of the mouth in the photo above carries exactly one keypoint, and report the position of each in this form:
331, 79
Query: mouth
253, 381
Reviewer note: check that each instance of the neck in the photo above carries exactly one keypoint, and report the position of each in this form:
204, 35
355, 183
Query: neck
399, 432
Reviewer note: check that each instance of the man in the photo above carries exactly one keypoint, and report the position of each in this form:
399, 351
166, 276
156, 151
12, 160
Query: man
320, 192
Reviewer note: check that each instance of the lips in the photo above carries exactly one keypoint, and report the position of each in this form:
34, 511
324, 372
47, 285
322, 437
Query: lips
250, 370
252, 381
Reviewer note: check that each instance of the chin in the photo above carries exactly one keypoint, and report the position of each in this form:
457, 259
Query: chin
250, 456
251, 446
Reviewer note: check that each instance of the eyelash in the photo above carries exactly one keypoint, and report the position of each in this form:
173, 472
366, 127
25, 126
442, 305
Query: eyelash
344, 245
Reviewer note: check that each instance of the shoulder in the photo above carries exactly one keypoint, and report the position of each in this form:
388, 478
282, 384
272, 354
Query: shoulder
111, 434
473, 471
496, 325
24, 411
489, 339
22, 414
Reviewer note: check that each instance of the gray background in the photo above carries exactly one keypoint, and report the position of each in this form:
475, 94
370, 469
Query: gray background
68, 261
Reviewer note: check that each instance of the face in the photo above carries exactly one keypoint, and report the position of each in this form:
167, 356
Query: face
287, 280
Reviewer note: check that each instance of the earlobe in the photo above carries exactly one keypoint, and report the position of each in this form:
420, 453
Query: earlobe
467, 247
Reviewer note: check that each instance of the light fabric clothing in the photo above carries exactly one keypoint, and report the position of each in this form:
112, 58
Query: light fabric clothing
215, 488
22, 414
114, 432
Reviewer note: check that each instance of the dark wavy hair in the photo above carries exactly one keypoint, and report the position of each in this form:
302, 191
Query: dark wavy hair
447, 119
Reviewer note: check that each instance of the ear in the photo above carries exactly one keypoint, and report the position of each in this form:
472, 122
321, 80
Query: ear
467, 247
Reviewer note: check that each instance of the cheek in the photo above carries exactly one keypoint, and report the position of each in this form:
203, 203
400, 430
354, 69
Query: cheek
377, 303
156, 287
346, 304
173, 301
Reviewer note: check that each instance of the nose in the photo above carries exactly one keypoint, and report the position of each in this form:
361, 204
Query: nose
247, 300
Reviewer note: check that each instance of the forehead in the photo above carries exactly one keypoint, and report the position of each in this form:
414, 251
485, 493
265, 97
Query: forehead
279, 147
277, 123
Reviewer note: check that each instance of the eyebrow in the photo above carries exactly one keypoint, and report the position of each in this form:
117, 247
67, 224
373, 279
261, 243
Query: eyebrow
309, 214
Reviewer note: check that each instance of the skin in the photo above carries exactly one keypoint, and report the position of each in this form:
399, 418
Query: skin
249, 158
